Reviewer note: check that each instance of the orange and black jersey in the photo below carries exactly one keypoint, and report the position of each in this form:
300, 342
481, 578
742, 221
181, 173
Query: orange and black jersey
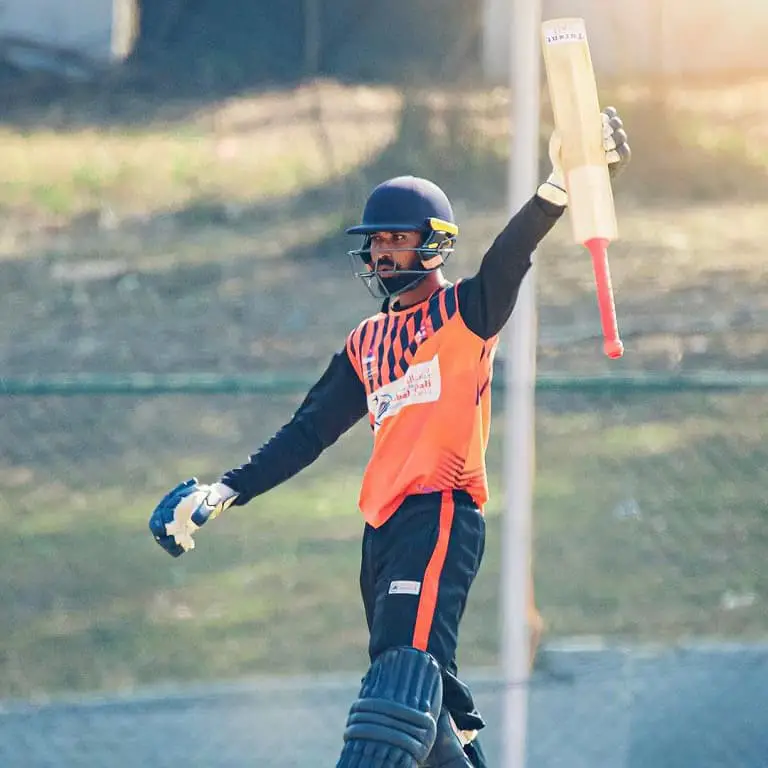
422, 375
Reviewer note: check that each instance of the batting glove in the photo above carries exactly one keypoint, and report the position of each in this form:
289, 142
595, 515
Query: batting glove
183, 510
615, 142
617, 155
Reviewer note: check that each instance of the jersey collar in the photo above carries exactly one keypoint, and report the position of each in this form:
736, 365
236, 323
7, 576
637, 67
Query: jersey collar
388, 308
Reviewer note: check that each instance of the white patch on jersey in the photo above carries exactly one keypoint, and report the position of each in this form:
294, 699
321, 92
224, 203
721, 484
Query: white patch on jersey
421, 384
404, 587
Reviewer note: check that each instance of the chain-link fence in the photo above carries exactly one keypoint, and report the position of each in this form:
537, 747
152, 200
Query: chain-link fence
601, 709
650, 531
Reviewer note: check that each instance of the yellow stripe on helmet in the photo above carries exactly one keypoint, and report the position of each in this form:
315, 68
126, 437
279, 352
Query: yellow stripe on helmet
438, 225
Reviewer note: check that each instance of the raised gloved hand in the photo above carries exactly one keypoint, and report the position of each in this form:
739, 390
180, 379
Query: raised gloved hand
185, 509
617, 154
615, 142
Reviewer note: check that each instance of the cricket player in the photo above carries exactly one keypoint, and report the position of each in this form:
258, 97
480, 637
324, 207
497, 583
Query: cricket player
420, 371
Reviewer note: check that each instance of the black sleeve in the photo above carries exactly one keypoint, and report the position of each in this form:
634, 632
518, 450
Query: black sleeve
487, 299
331, 407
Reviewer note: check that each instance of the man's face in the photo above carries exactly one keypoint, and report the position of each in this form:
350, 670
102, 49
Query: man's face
390, 250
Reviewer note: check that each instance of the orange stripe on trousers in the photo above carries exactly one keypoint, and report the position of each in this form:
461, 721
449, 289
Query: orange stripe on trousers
428, 600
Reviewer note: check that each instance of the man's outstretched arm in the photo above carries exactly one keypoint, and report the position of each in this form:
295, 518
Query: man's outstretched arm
332, 406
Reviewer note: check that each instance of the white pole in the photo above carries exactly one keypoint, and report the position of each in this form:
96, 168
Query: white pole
520, 379
125, 28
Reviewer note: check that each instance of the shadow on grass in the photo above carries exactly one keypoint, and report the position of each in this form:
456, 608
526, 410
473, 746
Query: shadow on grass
443, 142
446, 144
267, 305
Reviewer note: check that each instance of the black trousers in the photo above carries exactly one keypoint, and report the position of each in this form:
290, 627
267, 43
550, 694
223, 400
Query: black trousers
416, 573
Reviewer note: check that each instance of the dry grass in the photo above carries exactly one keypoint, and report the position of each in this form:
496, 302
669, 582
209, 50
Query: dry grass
268, 179
242, 150
206, 239
278, 143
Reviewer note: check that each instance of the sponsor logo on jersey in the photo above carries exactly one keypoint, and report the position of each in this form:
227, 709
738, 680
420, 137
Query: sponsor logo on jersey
419, 384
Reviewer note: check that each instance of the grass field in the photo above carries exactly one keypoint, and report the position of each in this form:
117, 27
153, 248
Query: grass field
650, 526
205, 237
111, 220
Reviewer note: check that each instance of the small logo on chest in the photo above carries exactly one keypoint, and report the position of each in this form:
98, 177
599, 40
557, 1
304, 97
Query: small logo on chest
421, 334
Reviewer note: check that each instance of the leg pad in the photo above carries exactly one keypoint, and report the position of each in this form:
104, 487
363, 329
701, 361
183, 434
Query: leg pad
393, 723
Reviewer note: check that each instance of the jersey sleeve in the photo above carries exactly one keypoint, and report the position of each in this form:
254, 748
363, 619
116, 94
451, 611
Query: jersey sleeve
332, 406
486, 300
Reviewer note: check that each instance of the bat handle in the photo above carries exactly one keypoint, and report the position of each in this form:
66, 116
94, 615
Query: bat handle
598, 248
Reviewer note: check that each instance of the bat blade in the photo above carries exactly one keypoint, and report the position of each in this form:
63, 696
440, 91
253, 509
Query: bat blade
576, 110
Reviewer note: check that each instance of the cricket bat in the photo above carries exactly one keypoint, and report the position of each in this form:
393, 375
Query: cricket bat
576, 110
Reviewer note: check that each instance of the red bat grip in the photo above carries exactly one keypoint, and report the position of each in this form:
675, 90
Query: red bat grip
598, 248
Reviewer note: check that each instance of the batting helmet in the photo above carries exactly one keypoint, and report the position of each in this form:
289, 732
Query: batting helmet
405, 204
